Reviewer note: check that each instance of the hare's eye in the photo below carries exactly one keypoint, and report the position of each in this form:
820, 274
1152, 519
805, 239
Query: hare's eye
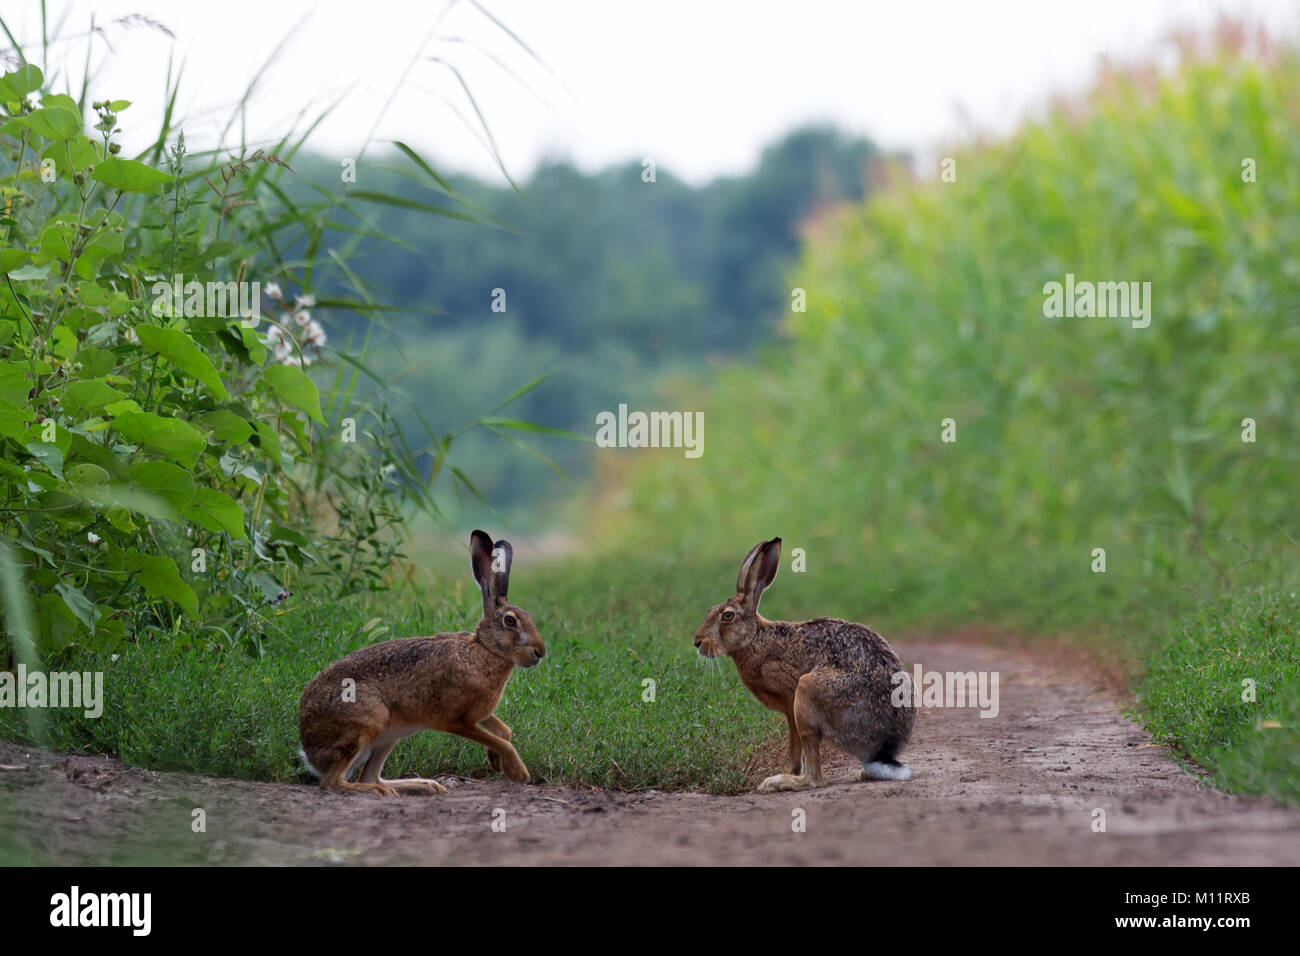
728, 615
511, 620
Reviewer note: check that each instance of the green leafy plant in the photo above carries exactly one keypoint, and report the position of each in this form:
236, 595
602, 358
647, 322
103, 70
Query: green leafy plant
168, 468
146, 434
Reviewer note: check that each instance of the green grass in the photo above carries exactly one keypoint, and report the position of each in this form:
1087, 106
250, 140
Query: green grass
578, 717
1193, 693
927, 304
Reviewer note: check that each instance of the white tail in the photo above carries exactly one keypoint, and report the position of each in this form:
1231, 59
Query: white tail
307, 763
878, 770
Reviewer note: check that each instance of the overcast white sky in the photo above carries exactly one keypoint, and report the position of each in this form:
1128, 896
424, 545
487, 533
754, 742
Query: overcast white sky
699, 85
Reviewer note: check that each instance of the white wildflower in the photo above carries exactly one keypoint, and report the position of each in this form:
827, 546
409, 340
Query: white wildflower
302, 318
292, 361
130, 336
92, 537
315, 334
273, 290
306, 301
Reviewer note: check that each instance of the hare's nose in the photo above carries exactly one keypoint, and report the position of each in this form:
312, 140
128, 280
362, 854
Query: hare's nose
541, 651
699, 641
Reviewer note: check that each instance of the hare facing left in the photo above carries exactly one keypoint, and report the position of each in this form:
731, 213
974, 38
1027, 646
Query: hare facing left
833, 680
357, 709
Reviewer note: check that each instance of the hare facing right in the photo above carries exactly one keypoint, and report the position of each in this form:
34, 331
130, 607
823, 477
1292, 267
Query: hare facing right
833, 680
358, 708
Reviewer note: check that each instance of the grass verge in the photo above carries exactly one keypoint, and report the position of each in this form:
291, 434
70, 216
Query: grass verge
585, 715
1224, 690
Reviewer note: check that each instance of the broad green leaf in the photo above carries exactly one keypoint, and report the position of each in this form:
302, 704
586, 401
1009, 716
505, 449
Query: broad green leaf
133, 499
74, 156
160, 579
57, 238
81, 448
293, 387
121, 408
130, 176
106, 245
172, 483
92, 293
281, 533
14, 384
28, 544
85, 475
39, 481
51, 456
227, 426
13, 420
56, 122
90, 395
216, 512
179, 349
169, 437
11, 259
95, 363
60, 99
269, 442
26, 273
252, 345
63, 343
78, 604
268, 585
59, 627
120, 518
16, 85
109, 636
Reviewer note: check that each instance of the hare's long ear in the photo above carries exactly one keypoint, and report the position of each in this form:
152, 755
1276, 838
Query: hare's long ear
746, 565
758, 572
502, 555
480, 562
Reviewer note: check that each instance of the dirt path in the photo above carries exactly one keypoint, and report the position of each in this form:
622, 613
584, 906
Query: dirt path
1017, 789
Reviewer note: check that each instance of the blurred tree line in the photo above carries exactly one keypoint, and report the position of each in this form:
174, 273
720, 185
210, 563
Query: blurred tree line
611, 284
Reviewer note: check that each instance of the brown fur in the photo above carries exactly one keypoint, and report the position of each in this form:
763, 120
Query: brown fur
449, 682
831, 679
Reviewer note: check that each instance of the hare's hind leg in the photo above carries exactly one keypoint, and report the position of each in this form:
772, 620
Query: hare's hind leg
339, 743
808, 725
336, 777
370, 773
495, 725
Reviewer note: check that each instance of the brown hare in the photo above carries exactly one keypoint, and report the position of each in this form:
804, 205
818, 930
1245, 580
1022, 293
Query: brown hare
831, 679
359, 707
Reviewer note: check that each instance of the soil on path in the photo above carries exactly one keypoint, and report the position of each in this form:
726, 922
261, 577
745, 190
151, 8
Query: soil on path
1021, 788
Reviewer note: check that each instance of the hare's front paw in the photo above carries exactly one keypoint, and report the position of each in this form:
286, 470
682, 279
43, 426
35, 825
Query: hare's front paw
516, 771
